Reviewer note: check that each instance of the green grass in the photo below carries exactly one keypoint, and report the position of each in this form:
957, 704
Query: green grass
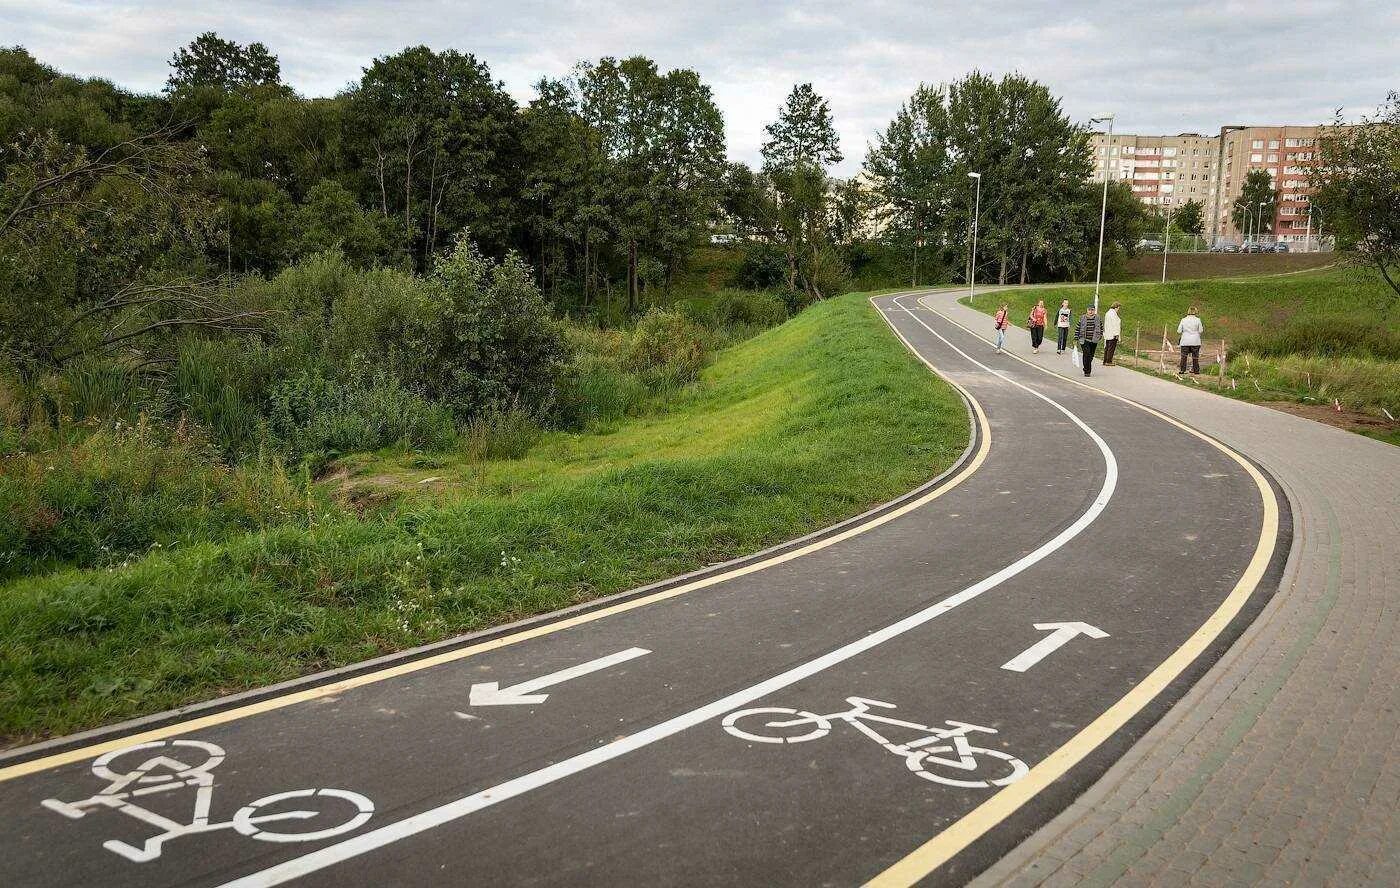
797, 427
1307, 337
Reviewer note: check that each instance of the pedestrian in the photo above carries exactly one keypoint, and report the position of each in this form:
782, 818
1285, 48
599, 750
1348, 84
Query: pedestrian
1001, 323
1062, 327
1191, 329
1112, 329
1036, 322
1088, 333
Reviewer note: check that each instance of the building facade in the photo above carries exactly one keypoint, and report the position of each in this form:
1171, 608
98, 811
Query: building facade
1167, 171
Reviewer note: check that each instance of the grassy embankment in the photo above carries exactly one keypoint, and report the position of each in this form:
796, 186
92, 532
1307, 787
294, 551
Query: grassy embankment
799, 426
1302, 339
1147, 267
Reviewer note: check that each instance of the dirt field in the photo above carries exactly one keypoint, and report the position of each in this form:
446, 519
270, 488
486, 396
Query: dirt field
1181, 266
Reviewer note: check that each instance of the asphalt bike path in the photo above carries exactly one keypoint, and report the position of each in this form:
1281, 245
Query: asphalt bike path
904, 700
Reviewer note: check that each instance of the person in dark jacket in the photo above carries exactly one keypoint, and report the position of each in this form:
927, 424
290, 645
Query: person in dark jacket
1088, 334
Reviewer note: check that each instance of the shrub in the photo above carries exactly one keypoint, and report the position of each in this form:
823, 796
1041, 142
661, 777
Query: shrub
315, 418
747, 309
764, 267
666, 349
493, 342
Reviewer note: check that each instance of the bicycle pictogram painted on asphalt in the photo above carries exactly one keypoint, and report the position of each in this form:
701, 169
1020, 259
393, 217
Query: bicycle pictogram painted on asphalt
933, 756
164, 773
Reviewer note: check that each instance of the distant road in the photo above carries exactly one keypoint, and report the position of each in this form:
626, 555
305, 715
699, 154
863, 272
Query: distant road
903, 696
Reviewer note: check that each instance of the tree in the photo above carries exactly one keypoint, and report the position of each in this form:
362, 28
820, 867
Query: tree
1257, 201
1033, 162
436, 145
1358, 189
1190, 217
803, 134
107, 248
211, 61
801, 144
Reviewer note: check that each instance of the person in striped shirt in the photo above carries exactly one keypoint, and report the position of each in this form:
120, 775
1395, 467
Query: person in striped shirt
1088, 334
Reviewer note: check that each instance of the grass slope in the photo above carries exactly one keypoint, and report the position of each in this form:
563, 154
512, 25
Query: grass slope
801, 425
1190, 266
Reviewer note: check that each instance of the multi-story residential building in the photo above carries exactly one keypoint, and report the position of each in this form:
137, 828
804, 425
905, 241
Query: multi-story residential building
1167, 171
1163, 171
1287, 153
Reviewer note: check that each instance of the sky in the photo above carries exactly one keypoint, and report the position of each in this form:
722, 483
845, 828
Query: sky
1159, 67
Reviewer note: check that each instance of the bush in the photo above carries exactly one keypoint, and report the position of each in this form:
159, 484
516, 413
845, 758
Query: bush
94, 495
493, 341
747, 309
666, 349
764, 267
315, 418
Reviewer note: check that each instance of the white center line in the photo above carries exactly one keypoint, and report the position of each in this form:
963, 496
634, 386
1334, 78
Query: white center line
454, 810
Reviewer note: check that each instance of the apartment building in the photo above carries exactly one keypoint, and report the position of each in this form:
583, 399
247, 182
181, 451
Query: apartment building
1287, 153
1163, 171
1167, 171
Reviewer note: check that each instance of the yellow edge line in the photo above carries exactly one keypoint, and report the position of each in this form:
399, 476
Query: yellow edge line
942, 847
240, 712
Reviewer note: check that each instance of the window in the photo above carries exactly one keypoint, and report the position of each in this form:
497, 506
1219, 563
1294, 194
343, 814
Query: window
1290, 143
1257, 143
1273, 158
1273, 143
1256, 158
1169, 152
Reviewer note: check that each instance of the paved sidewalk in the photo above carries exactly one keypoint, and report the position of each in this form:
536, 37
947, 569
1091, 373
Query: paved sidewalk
1282, 765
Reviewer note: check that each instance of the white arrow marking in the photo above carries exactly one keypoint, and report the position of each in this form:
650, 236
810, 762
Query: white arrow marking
1051, 643
490, 693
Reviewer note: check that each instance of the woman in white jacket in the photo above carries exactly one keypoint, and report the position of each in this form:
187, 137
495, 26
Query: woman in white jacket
1112, 329
1191, 329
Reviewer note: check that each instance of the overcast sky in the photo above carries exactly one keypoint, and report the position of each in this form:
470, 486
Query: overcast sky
1161, 67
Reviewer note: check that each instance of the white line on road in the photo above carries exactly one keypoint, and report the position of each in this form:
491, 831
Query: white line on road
490, 693
454, 810
1051, 643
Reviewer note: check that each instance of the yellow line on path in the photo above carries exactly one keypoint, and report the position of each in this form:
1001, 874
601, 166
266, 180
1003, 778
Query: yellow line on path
327, 690
942, 847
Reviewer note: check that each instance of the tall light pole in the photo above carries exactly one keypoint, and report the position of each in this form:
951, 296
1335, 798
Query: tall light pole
1103, 208
1307, 236
972, 260
1258, 218
1245, 218
1166, 243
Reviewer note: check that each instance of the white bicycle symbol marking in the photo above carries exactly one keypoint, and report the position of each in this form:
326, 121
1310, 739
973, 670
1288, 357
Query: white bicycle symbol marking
779, 725
124, 787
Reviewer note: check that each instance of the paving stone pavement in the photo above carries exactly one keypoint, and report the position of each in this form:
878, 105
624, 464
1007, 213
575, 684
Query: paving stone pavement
1282, 765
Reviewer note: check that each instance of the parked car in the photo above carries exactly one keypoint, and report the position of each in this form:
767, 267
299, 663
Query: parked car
1226, 247
1281, 247
1151, 246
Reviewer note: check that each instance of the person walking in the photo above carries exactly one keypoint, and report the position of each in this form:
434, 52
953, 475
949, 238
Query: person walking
1062, 327
1191, 329
1036, 322
1112, 329
1088, 334
1001, 322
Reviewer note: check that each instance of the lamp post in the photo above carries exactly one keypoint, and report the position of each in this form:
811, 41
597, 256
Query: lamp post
972, 259
1258, 219
1245, 219
1166, 243
1307, 236
1103, 208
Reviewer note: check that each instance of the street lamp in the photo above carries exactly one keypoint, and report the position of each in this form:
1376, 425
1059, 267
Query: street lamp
1244, 226
972, 260
1103, 209
1307, 236
1258, 217
1166, 243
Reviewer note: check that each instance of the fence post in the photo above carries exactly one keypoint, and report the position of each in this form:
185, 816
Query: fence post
1137, 345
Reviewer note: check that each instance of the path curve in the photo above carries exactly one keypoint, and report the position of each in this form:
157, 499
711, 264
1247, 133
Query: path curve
593, 747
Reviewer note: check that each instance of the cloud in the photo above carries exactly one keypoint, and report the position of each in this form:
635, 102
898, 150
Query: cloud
1164, 68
